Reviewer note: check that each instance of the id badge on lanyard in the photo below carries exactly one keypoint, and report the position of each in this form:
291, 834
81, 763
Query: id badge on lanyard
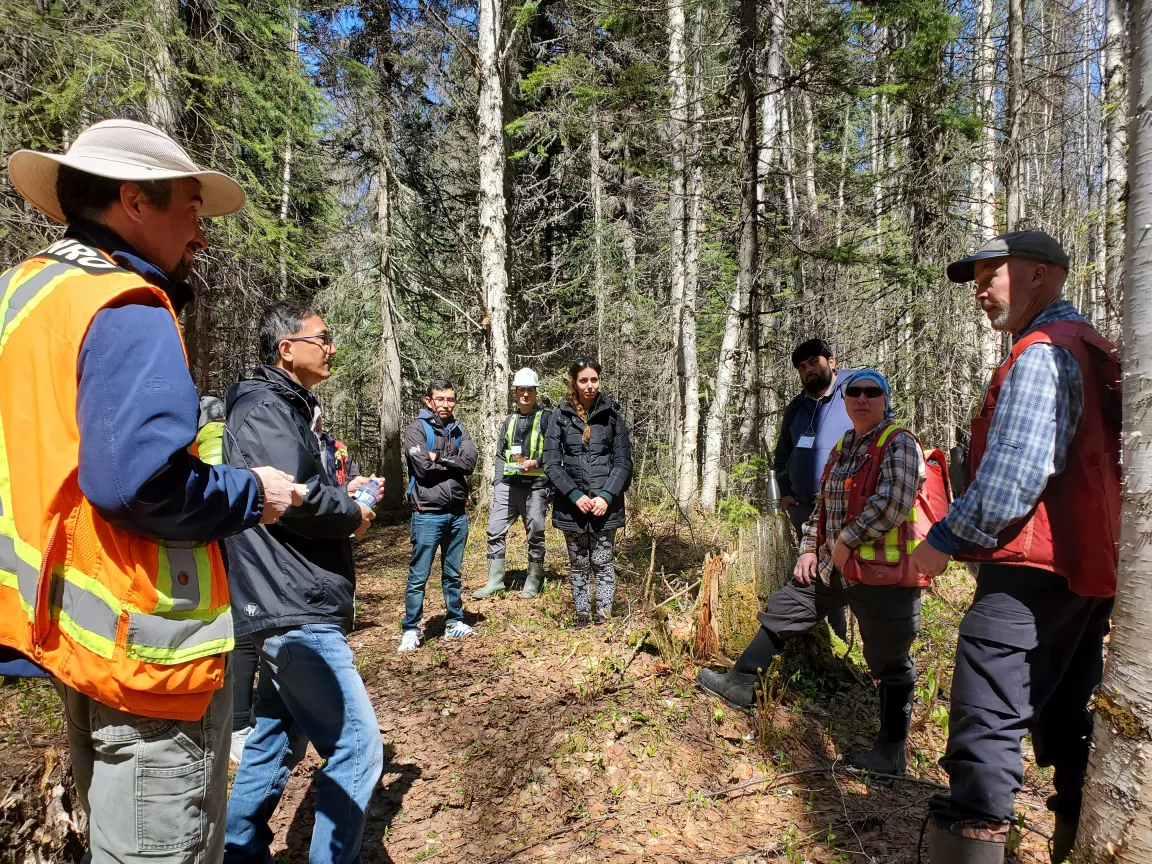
806, 442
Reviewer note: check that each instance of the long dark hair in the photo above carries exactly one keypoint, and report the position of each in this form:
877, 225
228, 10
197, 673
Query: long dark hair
574, 397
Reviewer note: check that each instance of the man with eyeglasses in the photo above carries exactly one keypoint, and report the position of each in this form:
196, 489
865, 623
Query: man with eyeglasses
812, 424
441, 457
292, 586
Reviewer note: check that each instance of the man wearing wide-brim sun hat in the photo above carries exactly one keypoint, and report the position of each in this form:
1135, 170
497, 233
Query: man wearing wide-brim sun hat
109, 576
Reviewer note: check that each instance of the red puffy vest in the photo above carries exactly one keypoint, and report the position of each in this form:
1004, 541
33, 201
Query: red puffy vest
1074, 529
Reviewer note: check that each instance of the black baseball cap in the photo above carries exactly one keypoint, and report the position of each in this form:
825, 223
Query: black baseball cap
1036, 245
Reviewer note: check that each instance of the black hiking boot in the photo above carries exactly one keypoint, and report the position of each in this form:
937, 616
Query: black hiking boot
968, 844
1063, 839
738, 689
581, 622
889, 755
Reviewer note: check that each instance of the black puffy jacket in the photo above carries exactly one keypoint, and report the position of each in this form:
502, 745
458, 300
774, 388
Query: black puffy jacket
299, 570
604, 464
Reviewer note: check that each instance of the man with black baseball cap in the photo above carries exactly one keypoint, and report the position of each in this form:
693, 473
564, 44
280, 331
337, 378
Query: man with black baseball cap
1041, 516
812, 424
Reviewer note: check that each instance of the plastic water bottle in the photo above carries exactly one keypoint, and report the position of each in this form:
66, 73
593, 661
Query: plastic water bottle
368, 494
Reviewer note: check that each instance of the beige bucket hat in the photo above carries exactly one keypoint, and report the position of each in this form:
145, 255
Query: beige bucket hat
119, 150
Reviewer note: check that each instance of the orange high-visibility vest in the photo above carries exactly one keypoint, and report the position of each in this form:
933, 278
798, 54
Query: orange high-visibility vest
139, 624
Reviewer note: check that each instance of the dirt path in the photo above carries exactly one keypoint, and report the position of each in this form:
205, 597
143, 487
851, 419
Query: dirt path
533, 742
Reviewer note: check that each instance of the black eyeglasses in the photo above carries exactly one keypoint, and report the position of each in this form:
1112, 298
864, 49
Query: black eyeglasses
857, 392
325, 338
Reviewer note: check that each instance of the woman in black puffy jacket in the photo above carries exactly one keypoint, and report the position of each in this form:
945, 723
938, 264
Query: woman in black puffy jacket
588, 458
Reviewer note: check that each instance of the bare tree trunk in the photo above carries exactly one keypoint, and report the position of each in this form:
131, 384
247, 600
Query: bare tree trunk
686, 486
293, 49
1014, 157
391, 400
737, 319
985, 187
683, 321
161, 101
596, 181
1116, 818
771, 104
493, 236
1116, 174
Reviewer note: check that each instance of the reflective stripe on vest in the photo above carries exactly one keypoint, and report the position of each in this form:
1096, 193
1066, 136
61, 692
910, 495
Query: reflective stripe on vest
181, 627
886, 548
535, 447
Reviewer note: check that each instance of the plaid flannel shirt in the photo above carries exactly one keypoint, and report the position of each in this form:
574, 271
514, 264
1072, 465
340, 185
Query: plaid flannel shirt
1037, 412
901, 476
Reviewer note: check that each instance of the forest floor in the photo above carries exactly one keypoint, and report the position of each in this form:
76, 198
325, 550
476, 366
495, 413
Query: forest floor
534, 741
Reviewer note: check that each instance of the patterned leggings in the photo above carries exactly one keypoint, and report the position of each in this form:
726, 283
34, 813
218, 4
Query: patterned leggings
590, 555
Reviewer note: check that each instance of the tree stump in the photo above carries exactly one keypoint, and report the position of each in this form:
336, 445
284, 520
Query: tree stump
40, 815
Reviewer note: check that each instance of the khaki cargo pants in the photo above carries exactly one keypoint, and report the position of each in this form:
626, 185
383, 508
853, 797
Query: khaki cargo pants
154, 790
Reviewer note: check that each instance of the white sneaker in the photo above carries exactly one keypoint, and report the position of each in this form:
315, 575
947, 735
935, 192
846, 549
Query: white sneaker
236, 747
458, 630
410, 641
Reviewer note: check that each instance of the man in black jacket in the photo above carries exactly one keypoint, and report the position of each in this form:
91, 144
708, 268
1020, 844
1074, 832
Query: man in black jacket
812, 424
441, 456
292, 587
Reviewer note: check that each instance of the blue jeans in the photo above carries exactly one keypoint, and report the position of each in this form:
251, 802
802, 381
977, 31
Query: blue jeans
309, 690
447, 532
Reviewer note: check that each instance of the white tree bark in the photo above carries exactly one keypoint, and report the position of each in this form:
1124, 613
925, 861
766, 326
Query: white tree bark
985, 175
772, 103
1014, 157
1115, 119
161, 100
493, 235
1116, 819
286, 179
689, 457
736, 322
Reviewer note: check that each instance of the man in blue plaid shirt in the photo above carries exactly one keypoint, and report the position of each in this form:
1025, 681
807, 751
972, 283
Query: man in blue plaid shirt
1040, 515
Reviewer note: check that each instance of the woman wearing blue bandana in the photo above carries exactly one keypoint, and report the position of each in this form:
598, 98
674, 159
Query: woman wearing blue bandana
886, 465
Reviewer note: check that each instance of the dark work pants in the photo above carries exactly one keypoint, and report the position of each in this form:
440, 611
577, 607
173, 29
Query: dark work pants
889, 618
798, 513
1029, 655
245, 662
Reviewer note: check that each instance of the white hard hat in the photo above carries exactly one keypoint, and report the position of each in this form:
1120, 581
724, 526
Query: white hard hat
526, 378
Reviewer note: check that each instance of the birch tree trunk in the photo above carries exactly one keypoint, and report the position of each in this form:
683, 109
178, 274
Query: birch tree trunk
162, 101
1014, 157
391, 400
684, 463
770, 105
985, 187
1116, 819
1116, 174
736, 321
493, 236
686, 486
286, 180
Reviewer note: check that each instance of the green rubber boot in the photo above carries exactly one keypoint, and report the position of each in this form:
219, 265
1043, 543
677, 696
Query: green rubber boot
533, 580
495, 580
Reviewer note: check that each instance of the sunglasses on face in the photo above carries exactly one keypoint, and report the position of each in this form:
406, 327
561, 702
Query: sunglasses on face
857, 392
325, 338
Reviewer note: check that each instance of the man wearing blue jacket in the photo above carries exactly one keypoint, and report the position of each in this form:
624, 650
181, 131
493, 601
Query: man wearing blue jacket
813, 422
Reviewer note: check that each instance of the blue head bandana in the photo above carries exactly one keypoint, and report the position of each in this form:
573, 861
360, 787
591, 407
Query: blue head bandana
866, 376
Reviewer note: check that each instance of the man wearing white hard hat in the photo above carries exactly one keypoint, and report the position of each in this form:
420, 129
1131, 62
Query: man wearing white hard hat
520, 488
110, 578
